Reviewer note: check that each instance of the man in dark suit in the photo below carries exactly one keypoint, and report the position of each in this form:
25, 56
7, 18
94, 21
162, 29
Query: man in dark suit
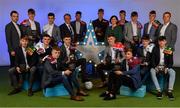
25, 61
151, 27
127, 74
31, 28
80, 28
67, 51
169, 30
100, 25
13, 35
54, 75
162, 62
52, 30
144, 53
67, 28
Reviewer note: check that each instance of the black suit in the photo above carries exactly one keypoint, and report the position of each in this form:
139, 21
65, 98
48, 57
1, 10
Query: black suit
82, 32
21, 63
12, 39
36, 35
64, 58
168, 59
64, 30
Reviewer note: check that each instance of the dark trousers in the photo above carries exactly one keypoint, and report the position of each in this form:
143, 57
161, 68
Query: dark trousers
116, 81
145, 73
17, 78
101, 68
12, 60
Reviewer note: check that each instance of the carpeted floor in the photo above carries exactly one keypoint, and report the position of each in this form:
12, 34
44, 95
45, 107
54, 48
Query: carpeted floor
22, 100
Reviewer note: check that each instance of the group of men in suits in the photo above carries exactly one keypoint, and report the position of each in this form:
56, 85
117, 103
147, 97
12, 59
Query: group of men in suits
146, 55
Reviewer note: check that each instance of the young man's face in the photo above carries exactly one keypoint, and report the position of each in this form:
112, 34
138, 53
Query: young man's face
55, 54
67, 41
78, 17
145, 43
111, 40
134, 18
100, 15
31, 16
152, 17
67, 19
122, 16
128, 55
15, 17
24, 43
162, 43
51, 19
166, 18
46, 40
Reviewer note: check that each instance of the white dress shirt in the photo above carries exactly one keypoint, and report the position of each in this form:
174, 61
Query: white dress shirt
33, 25
49, 29
127, 66
113, 54
149, 27
163, 29
78, 25
25, 57
17, 28
161, 56
134, 28
67, 50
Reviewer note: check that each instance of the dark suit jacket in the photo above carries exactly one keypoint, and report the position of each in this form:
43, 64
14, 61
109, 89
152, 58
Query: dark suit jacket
133, 73
64, 30
168, 59
83, 28
12, 37
170, 33
140, 54
50, 72
20, 59
152, 34
26, 30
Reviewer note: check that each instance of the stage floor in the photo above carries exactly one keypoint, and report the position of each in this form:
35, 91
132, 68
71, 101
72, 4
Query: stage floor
38, 100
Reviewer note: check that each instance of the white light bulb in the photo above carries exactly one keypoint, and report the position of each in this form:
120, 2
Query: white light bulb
80, 54
95, 65
99, 54
84, 43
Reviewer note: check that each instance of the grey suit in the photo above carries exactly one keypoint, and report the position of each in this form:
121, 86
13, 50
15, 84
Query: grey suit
55, 33
128, 32
170, 33
152, 33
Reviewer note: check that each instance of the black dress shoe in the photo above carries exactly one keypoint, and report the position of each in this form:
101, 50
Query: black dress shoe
30, 92
104, 94
159, 95
110, 97
170, 96
15, 91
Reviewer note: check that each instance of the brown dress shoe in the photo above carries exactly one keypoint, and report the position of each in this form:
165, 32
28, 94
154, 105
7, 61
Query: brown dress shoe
82, 93
77, 98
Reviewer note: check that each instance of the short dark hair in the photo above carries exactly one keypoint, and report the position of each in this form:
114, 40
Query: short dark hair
67, 14
122, 11
79, 12
134, 13
101, 10
13, 12
145, 37
56, 48
67, 36
161, 38
111, 35
51, 14
167, 13
31, 11
25, 38
46, 35
152, 12
114, 16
